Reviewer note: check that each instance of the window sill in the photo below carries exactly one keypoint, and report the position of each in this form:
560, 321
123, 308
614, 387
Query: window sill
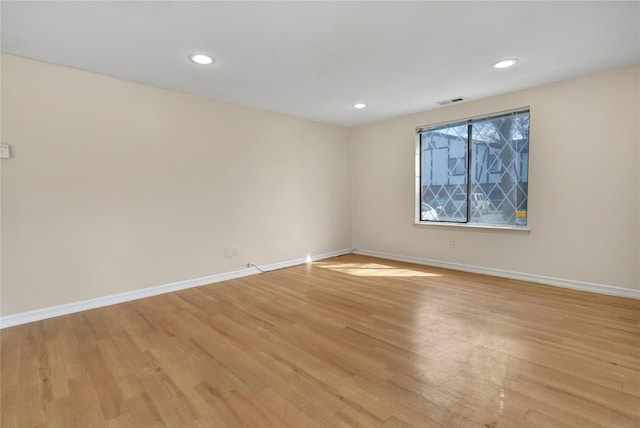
472, 226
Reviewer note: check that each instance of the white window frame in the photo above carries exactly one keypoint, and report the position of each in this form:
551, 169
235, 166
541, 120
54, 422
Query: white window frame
418, 184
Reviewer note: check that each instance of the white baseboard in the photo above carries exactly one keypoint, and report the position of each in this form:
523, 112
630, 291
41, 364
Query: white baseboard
69, 308
546, 280
307, 259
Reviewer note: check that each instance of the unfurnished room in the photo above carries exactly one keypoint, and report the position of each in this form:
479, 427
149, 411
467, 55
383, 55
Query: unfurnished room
320, 214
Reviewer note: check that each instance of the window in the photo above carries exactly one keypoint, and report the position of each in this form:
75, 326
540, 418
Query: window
475, 171
457, 166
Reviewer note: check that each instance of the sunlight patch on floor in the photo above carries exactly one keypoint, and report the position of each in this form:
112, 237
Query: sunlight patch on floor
372, 269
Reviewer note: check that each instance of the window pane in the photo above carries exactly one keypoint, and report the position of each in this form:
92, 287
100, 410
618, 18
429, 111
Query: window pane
444, 174
499, 170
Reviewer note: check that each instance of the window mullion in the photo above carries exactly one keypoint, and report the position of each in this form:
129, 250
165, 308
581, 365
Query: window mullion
469, 145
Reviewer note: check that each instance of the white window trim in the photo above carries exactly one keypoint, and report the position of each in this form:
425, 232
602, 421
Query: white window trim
418, 222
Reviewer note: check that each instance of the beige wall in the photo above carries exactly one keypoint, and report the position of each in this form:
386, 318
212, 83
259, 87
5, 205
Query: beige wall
116, 186
583, 189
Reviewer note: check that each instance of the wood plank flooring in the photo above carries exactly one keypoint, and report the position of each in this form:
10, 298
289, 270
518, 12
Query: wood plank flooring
347, 342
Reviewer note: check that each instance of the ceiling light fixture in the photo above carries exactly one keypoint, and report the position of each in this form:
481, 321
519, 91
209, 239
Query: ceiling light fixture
201, 59
505, 63
359, 105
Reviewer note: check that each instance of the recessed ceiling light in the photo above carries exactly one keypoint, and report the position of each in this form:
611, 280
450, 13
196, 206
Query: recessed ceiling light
201, 59
359, 105
506, 63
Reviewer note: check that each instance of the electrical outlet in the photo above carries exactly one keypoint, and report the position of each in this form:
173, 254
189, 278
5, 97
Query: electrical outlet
236, 252
5, 152
452, 243
228, 252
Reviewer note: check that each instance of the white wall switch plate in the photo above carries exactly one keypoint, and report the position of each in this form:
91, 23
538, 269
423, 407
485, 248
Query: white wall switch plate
5, 153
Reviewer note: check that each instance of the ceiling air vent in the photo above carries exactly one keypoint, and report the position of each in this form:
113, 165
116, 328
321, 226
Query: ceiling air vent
451, 101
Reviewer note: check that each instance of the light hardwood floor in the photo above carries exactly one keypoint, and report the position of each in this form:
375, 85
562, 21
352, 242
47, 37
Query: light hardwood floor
350, 341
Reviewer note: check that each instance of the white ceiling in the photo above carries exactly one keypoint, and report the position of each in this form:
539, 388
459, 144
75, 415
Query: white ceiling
315, 59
